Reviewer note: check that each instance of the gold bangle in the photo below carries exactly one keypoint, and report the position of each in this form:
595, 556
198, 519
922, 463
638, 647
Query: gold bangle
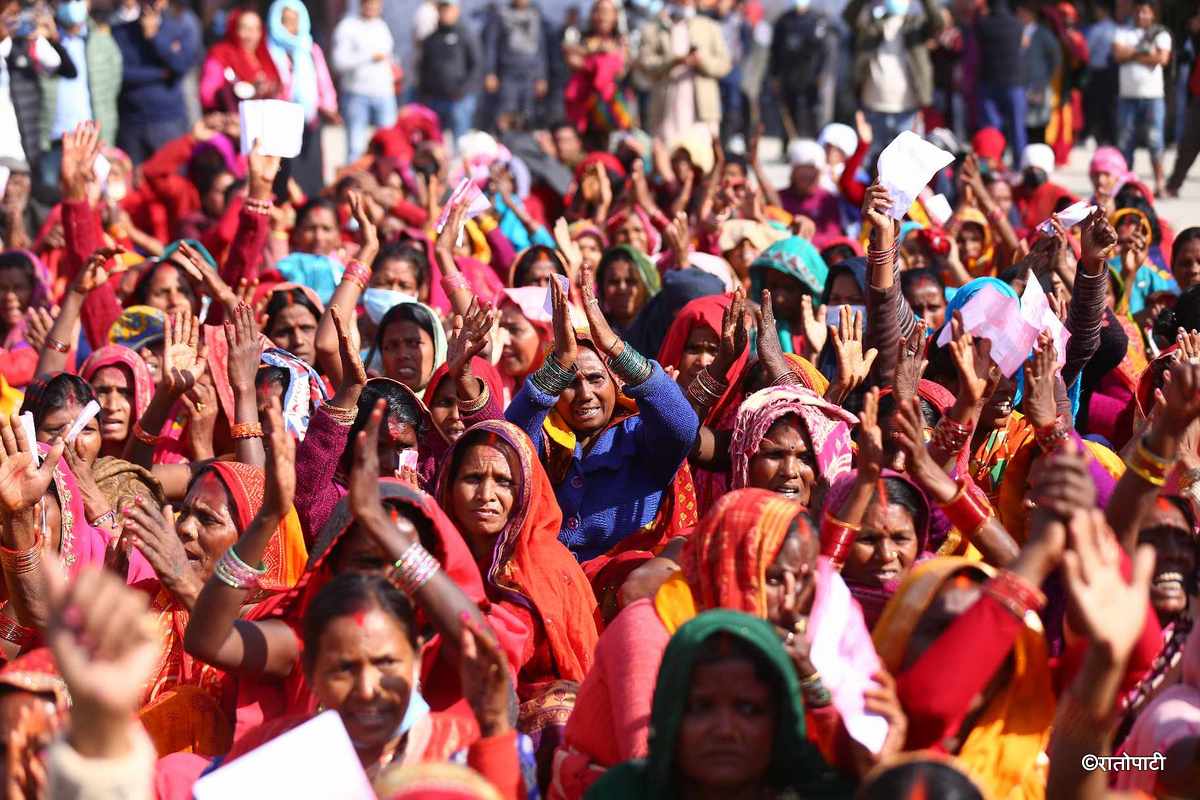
343, 416
246, 430
476, 405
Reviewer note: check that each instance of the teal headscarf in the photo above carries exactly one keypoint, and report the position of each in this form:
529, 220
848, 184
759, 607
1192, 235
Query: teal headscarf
797, 258
298, 48
795, 764
322, 274
174, 246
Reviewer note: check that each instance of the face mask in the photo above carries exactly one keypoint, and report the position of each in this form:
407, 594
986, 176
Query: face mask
803, 5
896, 8
72, 13
834, 313
378, 302
115, 190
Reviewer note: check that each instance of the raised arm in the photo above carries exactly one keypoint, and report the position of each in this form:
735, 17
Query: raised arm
1086, 313
840, 525
58, 344
345, 297
710, 384
245, 352
181, 367
453, 281
977, 377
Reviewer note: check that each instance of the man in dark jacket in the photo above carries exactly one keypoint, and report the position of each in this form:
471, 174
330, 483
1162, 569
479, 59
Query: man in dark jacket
1001, 79
516, 54
451, 64
157, 51
801, 53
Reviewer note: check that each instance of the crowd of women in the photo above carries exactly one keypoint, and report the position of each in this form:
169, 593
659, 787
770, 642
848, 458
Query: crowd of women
667, 483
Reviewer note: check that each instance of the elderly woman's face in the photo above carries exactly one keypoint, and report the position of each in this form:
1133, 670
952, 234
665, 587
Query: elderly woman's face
587, 404
406, 350
59, 420
633, 233
886, 547
521, 349
365, 669
622, 292
1175, 565
205, 524
16, 290
701, 349
784, 463
294, 329
792, 573
114, 392
484, 490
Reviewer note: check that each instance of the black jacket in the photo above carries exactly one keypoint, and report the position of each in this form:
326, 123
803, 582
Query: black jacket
799, 45
451, 63
999, 35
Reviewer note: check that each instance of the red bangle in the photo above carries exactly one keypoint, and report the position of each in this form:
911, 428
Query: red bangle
357, 272
836, 539
246, 430
1015, 593
966, 511
452, 282
140, 434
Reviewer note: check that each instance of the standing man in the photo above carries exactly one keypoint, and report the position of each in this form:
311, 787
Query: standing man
892, 68
798, 60
362, 59
683, 56
1142, 50
516, 54
1099, 112
157, 52
451, 65
1001, 88
1189, 145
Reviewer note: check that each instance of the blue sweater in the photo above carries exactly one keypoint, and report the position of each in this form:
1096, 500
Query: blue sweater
615, 488
153, 69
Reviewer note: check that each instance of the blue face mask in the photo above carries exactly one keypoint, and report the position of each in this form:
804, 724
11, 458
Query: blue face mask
72, 13
378, 302
896, 7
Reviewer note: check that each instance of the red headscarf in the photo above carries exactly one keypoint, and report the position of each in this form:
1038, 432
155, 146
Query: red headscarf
481, 368
230, 53
116, 355
709, 312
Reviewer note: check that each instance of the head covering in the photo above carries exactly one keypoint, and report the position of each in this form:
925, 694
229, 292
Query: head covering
1109, 159
617, 220
797, 258
984, 259
841, 136
432, 781
795, 763
1002, 749
856, 268
529, 566
304, 393
412, 311
679, 287
989, 143
140, 381
137, 327
296, 47
716, 266
734, 231
481, 369
647, 274
585, 227
827, 426
709, 312
1039, 156
696, 141
35, 672
806, 153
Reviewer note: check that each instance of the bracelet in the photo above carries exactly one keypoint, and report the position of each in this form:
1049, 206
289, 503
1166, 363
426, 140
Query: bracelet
1015, 593
107, 518
631, 366
788, 378
836, 538
357, 273
950, 436
965, 511
246, 430
1147, 465
711, 383
1049, 437
886, 257
16, 633
235, 573
814, 691
475, 406
413, 569
56, 345
699, 395
21, 562
341, 414
552, 378
140, 434
453, 282
257, 206
281, 235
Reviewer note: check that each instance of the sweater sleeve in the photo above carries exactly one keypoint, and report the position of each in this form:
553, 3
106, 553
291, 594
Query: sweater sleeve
316, 463
1083, 321
668, 426
890, 320
495, 758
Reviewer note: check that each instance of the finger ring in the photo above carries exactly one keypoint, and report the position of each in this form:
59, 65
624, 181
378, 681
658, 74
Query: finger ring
200, 406
790, 638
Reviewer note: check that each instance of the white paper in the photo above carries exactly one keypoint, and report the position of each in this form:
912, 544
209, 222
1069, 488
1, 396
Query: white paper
314, 761
5, 172
406, 458
1035, 308
477, 203
31, 435
1070, 216
565, 283
938, 208
88, 414
906, 167
277, 125
101, 167
997, 318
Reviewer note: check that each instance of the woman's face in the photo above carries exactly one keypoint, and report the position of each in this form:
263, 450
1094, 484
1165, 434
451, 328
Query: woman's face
213, 201
633, 233
397, 274
249, 30
394, 438
956, 595
168, 292
999, 406
886, 547
317, 232
364, 669
727, 734
539, 273
700, 350
521, 349
786, 294
294, 329
1168, 531
970, 240
291, 21
784, 463
205, 524
443, 407
1001, 194
928, 301
741, 257
58, 421
1186, 265
604, 18
587, 404
590, 250
114, 392
358, 551
407, 353
845, 291
485, 488
152, 355
1104, 182
622, 293
797, 559
16, 289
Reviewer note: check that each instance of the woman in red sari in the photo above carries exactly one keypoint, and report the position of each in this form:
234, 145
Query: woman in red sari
238, 67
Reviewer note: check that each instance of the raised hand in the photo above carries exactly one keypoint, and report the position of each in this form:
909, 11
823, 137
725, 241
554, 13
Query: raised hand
367, 232
1189, 345
1061, 483
353, 372
602, 332
469, 337
770, 351
153, 533
816, 328
484, 677
909, 434
182, 365
870, 436
93, 275
1040, 370
566, 349
280, 490
22, 481
679, 239
876, 209
568, 247
1182, 396
735, 335
38, 322
200, 270
1098, 240
262, 172
883, 700
972, 360
79, 150
244, 348
853, 364
365, 503
202, 409
447, 239
909, 365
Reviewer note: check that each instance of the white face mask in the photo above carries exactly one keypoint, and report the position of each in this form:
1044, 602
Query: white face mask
378, 301
896, 7
803, 5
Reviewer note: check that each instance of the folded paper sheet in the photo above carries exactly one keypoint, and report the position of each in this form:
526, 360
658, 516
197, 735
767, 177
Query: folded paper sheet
88, 413
906, 166
1070, 216
277, 125
938, 208
997, 318
1035, 308
469, 191
565, 283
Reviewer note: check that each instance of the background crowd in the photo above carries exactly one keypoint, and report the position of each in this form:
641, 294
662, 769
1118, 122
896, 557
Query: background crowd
559, 445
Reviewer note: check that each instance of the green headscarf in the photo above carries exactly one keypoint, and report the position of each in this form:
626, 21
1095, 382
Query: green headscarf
795, 764
797, 258
646, 271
